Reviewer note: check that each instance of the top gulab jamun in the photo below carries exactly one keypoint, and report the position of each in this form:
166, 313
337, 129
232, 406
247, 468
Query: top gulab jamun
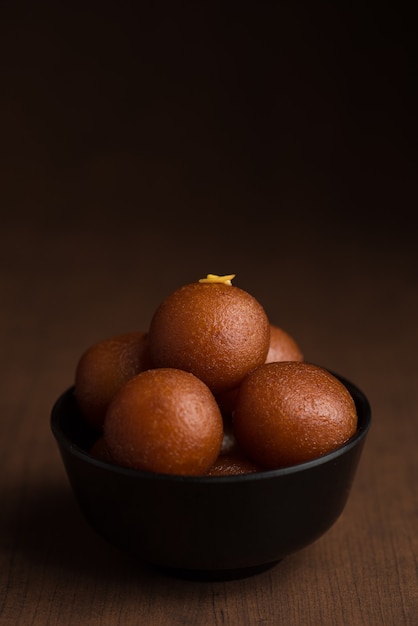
212, 329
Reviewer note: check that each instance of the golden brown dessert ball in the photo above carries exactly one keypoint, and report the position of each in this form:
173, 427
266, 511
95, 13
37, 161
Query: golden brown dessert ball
217, 331
164, 420
282, 346
99, 450
290, 412
102, 370
233, 464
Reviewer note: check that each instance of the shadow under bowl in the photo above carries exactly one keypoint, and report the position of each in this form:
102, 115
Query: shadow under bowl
200, 527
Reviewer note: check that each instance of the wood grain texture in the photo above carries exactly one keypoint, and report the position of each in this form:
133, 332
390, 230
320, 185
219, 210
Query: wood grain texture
115, 191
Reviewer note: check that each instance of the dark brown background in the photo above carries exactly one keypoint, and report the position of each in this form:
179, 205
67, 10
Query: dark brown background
143, 145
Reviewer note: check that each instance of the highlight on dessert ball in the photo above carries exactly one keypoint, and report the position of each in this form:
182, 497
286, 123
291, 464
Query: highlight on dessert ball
211, 388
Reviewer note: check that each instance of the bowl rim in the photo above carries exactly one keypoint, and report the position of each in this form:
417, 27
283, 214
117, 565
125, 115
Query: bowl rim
75, 450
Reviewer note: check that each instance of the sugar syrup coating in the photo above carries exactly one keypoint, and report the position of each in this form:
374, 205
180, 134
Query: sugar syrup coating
217, 331
290, 412
164, 420
102, 370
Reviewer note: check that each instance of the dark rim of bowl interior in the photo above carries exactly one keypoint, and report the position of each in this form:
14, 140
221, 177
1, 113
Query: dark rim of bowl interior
82, 454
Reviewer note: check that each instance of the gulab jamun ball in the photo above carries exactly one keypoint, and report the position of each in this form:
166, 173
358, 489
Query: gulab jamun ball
233, 464
99, 450
102, 370
290, 412
283, 346
164, 420
212, 329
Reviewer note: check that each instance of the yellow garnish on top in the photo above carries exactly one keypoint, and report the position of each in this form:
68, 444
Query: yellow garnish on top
214, 278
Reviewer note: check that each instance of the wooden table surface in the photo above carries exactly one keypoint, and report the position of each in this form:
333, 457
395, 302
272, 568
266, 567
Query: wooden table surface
138, 154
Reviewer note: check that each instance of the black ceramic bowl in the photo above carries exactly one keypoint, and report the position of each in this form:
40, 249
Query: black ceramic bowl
213, 527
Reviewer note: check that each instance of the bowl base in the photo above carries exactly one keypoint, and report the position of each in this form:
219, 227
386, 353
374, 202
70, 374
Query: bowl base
216, 574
